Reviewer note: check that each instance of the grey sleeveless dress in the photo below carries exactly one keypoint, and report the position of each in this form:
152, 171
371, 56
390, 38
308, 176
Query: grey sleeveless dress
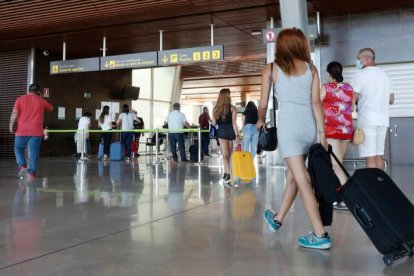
296, 129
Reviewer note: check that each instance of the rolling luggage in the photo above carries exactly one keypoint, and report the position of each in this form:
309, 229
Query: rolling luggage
194, 153
101, 151
242, 166
116, 151
382, 210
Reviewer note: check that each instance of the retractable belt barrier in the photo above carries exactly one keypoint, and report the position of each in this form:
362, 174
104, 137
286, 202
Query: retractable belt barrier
155, 130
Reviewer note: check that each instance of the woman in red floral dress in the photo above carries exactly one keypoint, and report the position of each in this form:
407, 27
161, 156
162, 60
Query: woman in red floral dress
338, 99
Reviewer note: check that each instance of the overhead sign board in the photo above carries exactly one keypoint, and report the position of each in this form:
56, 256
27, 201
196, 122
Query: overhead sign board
190, 55
137, 60
269, 35
74, 66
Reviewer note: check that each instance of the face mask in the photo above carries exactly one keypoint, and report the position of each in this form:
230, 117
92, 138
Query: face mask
358, 64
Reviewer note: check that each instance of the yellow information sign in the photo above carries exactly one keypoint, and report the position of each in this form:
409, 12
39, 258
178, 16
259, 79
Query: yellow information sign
174, 58
196, 56
190, 55
206, 55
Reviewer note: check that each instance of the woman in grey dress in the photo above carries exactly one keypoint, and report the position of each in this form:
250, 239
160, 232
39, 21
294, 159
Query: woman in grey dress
300, 116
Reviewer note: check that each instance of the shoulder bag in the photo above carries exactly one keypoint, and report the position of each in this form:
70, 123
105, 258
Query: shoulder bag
267, 140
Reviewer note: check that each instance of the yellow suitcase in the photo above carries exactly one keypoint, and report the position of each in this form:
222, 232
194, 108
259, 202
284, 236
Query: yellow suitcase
242, 167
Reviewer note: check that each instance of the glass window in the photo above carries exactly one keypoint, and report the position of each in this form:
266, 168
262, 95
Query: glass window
142, 79
160, 113
143, 110
163, 83
192, 112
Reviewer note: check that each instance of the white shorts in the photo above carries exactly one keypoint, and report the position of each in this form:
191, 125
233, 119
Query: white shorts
374, 141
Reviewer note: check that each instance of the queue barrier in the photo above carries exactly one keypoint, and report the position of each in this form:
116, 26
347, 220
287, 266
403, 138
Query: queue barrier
156, 131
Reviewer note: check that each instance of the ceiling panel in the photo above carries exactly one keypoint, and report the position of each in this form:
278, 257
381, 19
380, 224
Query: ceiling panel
133, 26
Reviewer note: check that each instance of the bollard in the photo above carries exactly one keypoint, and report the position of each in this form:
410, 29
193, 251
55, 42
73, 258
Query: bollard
82, 158
199, 146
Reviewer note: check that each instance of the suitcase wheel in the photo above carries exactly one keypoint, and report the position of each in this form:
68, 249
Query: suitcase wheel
388, 260
236, 180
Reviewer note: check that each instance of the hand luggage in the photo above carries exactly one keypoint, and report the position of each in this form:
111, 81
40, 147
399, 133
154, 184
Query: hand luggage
116, 151
242, 166
324, 181
382, 210
194, 153
101, 151
134, 148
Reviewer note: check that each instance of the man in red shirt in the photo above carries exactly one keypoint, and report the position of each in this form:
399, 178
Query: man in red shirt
26, 122
204, 121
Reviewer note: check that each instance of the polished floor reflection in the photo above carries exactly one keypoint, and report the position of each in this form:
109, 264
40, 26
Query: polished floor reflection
143, 218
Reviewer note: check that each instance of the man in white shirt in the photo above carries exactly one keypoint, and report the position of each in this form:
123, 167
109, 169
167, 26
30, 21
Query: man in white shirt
83, 124
176, 121
374, 90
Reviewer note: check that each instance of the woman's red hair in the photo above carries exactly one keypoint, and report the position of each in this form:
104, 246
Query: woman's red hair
291, 44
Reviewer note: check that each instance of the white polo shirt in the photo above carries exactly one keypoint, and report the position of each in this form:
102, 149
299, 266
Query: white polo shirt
176, 120
374, 88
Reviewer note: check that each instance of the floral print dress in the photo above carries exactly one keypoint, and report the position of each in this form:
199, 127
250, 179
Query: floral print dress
337, 106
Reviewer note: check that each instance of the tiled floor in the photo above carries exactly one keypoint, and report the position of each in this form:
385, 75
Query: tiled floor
138, 218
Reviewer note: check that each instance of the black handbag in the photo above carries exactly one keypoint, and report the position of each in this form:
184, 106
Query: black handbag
267, 140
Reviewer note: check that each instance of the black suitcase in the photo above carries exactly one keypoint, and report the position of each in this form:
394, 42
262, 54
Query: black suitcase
382, 210
194, 153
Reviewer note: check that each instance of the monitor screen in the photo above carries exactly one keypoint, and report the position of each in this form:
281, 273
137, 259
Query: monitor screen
130, 92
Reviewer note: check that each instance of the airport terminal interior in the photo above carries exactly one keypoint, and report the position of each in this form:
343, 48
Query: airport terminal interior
151, 215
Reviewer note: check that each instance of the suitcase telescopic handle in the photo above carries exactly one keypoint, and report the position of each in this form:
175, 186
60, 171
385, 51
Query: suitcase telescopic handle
362, 217
330, 151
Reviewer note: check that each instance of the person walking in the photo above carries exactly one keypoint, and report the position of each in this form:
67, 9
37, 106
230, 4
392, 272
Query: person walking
204, 121
224, 116
374, 89
300, 117
126, 121
176, 121
338, 101
250, 133
26, 123
105, 123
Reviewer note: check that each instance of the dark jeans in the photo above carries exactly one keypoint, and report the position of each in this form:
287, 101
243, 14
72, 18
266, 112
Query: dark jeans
20, 145
126, 140
107, 139
205, 142
175, 138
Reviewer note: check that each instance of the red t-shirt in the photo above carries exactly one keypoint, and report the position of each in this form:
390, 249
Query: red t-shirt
30, 120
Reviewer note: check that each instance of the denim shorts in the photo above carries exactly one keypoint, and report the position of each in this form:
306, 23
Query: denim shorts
226, 132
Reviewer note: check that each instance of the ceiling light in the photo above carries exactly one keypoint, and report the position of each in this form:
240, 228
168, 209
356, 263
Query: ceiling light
256, 32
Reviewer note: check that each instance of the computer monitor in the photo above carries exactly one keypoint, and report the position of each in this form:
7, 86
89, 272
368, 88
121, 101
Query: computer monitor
130, 92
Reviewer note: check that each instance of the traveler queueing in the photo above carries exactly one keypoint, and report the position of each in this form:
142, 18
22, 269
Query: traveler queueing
300, 117
26, 123
176, 121
204, 121
126, 121
105, 123
84, 124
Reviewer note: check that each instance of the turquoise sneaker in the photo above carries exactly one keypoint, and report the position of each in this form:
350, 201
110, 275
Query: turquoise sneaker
271, 223
313, 241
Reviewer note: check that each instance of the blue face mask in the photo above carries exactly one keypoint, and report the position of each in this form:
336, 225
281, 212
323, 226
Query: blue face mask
358, 64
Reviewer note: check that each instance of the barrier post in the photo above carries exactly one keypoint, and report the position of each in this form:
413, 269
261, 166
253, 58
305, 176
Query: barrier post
156, 146
82, 157
199, 146
167, 146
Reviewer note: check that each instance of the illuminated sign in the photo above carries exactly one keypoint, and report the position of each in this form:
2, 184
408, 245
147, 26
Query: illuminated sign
137, 60
74, 66
190, 55
269, 35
